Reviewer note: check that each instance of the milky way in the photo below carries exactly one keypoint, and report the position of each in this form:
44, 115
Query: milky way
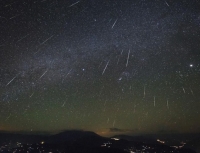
105, 66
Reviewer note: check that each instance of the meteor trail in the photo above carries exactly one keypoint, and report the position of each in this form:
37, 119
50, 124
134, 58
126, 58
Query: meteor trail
74, 4
127, 58
108, 121
119, 56
183, 90
31, 95
114, 23
63, 104
166, 3
114, 123
67, 74
43, 74
12, 80
47, 39
167, 104
7, 117
105, 67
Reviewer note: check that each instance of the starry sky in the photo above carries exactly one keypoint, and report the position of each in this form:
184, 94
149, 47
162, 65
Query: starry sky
108, 66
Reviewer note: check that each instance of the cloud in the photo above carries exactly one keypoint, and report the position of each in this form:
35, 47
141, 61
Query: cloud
121, 130
115, 130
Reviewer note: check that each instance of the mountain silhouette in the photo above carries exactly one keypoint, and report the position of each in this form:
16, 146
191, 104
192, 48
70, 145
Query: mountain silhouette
74, 136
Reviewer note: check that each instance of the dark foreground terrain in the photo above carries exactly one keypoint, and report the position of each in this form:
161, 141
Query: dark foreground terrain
89, 142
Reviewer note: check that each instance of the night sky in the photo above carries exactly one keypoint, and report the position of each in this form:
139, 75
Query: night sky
108, 66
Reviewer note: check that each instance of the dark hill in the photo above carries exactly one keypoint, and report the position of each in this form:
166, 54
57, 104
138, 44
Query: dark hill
75, 136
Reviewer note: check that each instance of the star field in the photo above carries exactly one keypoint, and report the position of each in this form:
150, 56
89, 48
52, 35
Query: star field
106, 66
